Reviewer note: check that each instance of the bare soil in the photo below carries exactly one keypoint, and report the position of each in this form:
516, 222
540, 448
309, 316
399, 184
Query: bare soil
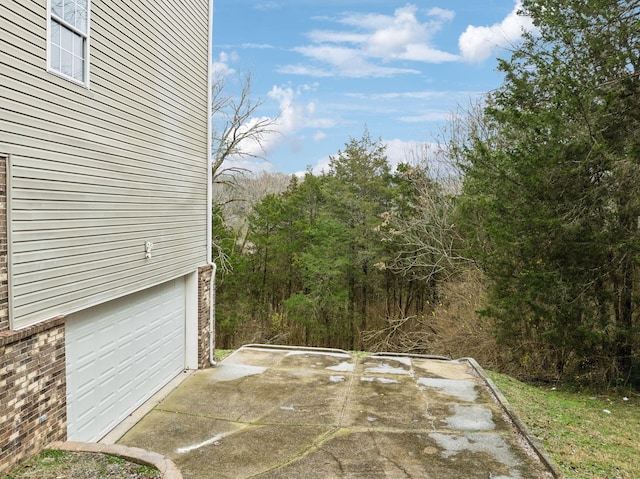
53, 464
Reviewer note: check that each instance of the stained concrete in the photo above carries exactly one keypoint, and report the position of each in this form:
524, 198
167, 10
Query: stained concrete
269, 412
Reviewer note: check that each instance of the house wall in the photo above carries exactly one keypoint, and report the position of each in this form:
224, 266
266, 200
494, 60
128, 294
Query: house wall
32, 368
32, 373
91, 176
96, 173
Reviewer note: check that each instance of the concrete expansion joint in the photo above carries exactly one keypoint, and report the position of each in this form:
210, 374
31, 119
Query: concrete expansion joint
166, 466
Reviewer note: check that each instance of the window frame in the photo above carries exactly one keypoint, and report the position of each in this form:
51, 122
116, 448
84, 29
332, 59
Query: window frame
51, 18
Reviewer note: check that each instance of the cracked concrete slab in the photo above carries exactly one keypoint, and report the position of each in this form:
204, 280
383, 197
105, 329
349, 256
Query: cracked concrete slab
269, 412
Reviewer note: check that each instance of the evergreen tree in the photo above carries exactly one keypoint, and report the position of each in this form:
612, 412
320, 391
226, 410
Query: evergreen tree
550, 193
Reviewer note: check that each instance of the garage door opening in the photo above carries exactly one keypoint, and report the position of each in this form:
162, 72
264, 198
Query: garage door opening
119, 354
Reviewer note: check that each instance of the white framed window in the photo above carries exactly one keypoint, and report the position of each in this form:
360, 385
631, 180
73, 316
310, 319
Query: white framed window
68, 43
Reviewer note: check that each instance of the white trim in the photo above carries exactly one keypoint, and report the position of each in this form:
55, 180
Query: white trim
191, 321
87, 47
209, 133
8, 215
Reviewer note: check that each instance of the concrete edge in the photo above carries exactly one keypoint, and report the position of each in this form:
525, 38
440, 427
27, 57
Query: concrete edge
282, 347
412, 355
533, 442
166, 466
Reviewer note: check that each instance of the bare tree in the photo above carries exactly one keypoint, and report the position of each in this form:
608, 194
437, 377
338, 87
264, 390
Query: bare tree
237, 132
428, 244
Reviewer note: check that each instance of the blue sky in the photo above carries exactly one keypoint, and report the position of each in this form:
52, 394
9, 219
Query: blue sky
324, 69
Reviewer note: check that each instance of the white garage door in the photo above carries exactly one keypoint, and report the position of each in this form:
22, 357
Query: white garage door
119, 354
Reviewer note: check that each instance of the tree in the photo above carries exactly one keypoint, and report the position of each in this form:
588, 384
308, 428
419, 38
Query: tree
421, 226
236, 134
549, 191
360, 193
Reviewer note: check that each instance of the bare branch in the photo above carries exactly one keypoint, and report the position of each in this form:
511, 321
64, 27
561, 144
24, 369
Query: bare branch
237, 132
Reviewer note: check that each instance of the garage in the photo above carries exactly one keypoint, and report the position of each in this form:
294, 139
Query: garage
118, 354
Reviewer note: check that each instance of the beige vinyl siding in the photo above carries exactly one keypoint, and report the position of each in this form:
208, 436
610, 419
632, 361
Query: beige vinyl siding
94, 173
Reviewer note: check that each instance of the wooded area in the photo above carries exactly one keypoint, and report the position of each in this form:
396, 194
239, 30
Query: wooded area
515, 242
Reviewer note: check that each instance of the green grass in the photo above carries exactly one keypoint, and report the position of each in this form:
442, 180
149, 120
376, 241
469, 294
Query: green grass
144, 469
220, 354
116, 460
56, 464
587, 436
53, 455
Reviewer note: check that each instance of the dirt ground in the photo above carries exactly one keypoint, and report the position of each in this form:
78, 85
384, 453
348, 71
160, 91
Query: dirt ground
52, 464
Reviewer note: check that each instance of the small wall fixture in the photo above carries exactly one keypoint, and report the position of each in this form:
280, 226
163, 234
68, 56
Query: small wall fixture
148, 246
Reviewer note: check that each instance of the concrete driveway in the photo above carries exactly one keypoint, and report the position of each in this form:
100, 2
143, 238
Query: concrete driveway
268, 412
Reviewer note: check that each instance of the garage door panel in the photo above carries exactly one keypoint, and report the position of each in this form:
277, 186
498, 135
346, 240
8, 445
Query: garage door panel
119, 354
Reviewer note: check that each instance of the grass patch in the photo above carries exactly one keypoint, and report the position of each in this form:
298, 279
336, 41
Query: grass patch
49, 456
220, 354
55, 464
144, 469
588, 436
115, 460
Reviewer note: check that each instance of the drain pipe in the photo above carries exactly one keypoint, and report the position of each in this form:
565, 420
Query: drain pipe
212, 314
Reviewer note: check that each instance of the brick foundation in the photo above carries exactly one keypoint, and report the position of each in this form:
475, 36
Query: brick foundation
204, 284
33, 406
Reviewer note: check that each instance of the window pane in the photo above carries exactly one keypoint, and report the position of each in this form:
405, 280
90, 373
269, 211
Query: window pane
55, 32
55, 57
66, 39
78, 45
78, 68
66, 63
81, 20
56, 7
69, 15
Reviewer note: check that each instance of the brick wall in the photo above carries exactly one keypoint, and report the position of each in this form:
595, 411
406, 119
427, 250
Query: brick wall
32, 391
204, 284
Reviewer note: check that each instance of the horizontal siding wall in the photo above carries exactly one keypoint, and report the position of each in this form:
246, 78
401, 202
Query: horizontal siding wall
95, 173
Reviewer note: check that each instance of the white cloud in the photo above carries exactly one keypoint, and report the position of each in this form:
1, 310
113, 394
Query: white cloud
428, 154
221, 67
442, 13
348, 62
319, 135
429, 116
478, 43
324, 36
411, 95
254, 165
422, 53
265, 6
258, 46
371, 41
401, 151
294, 116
